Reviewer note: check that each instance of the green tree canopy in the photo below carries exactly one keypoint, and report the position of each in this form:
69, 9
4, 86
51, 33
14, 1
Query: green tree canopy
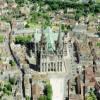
91, 96
27, 98
12, 80
48, 91
12, 63
20, 1
42, 98
23, 39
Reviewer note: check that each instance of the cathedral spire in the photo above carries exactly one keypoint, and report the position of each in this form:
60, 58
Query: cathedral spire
43, 38
59, 40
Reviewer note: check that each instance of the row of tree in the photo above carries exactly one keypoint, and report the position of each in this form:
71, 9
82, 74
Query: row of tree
47, 92
23, 39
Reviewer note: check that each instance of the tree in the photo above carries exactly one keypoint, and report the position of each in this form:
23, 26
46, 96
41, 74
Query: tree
27, 98
12, 80
77, 17
62, 27
12, 63
98, 28
27, 26
42, 98
97, 8
0, 87
20, 1
48, 91
55, 6
91, 96
8, 87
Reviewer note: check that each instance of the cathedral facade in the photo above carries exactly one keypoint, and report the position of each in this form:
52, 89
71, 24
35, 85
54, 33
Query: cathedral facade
52, 51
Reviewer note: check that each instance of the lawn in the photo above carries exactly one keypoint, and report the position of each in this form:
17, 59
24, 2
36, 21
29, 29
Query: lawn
97, 1
1, 38
32, 25
98, 44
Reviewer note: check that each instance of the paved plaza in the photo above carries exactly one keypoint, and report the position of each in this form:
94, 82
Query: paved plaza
57, 87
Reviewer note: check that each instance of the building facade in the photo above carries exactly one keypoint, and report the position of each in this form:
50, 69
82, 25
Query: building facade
52, 51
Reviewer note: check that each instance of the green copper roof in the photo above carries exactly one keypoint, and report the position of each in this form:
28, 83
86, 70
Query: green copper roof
51, 37
50, 43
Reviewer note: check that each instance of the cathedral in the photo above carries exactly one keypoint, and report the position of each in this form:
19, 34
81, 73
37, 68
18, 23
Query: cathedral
52, 51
